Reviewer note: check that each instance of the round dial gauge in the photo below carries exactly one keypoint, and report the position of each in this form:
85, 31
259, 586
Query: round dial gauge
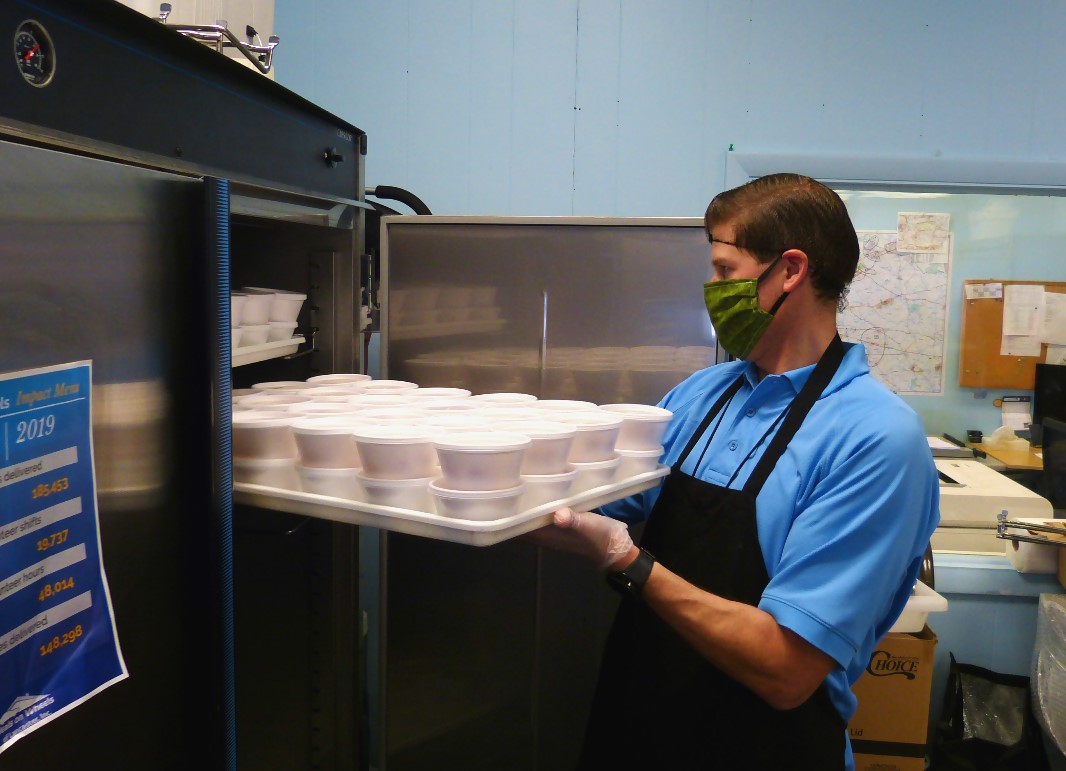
35, 54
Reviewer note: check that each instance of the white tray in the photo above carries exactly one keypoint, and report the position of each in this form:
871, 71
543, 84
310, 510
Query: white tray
433, 525
249, 354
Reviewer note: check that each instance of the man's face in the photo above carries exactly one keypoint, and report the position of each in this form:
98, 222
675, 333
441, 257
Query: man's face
727, 261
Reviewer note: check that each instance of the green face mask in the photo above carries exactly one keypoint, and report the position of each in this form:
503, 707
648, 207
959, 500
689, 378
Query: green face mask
733, 305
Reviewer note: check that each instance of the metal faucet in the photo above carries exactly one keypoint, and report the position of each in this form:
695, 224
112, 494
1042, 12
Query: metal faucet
219, 37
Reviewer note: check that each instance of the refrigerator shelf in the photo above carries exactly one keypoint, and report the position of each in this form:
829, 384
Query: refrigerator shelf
250, 354
434, 526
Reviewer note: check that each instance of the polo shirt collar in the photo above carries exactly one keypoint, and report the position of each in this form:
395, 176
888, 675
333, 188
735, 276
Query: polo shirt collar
852, 366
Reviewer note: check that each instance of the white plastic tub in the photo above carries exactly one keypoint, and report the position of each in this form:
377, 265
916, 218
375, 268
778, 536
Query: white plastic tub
256, 308
254, 334
396, 451
490, 460
260, 434
549, 448
597, 432
505, 398
326, 442
321, 408
477, 505
328, 394
387, 386
411, 494
270, 472
338, 378
369, 400
544, 488
595, 474
445, 423
643, 425
280, 386
334, 482
437, 394
236, 333
922, 602
636, 462
273, 398
562, 405
282, 305
281, 330
236, 308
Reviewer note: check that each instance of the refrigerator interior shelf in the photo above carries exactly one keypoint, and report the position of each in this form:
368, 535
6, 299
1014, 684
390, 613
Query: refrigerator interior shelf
434, 526
250, 354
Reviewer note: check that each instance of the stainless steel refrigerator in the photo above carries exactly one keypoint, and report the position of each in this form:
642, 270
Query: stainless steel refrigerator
142, 177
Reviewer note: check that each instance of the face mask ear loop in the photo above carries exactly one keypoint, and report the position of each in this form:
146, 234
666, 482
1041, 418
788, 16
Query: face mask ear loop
777, 304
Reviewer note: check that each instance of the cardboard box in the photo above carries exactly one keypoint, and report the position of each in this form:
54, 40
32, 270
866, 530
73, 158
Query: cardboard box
889, 729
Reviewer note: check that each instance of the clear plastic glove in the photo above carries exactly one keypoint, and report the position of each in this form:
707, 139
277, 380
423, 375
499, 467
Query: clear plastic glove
593, 536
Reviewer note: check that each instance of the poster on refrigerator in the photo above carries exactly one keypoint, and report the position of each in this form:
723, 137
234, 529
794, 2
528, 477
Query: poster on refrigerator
58, 642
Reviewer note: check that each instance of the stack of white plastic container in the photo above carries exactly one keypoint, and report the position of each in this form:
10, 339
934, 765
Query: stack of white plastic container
259, 315
437, 450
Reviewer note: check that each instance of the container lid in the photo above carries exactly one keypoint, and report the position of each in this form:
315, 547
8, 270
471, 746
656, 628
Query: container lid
598, 464
538, 429
392, 433
438, 406
441, 393
280, 385
593, 420
262, 463
639, 411
373, 385
654, 453
475, 495
265, 290
505, 397
322, 408
562, 405
318, 471
569, 474
482, 441
339, 377
372, 481
260, 419
448, 420
283, 397
364, 399
327, 424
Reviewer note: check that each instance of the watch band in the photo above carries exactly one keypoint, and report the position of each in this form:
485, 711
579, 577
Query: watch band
630, 582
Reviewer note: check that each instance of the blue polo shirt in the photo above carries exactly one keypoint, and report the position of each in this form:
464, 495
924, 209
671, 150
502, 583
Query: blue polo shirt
845, 516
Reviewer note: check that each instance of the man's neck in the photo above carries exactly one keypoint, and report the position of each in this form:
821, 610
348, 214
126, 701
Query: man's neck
803, 345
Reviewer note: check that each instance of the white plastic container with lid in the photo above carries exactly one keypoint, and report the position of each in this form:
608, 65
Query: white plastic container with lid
636, 462
271, 386
448, 394
550, 444
439, 406
256, 308
395, 451
597, 432
236, 308
326, 442
260, 434
281, 330
334, 482
594, 474
282, 305
270, 472
562, 405
411, 494
382, 386
322, 408
922, 602
404, 414
254, 334
643, 425
236, 333
338, 378
261, 398
490, 460
477, 505
543, 488
325, 394
505, 398
445, 423
368, 400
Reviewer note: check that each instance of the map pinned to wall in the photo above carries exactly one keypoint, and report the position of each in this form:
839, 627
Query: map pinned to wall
923, 232
897, 307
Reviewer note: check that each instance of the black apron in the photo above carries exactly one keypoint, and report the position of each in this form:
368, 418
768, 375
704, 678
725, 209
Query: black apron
658, 703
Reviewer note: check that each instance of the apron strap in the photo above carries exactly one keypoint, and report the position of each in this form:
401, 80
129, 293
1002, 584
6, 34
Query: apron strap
797, 411
728, 394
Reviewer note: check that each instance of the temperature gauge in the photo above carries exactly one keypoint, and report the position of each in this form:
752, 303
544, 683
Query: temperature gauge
35, 54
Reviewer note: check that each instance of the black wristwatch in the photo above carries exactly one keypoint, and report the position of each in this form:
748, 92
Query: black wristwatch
630, 582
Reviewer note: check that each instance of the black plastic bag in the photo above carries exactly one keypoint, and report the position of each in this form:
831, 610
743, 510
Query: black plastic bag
987, 723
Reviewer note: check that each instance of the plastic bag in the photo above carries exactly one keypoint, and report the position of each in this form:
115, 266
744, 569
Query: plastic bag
987, 723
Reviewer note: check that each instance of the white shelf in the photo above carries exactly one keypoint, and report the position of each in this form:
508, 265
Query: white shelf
433, 525
250, 354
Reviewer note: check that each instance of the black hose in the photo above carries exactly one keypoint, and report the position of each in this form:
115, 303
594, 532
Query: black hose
401, 195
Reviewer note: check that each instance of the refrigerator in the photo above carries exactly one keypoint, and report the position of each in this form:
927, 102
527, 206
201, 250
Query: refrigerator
143, 177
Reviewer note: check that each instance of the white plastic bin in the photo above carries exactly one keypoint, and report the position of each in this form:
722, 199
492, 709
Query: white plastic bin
922, 602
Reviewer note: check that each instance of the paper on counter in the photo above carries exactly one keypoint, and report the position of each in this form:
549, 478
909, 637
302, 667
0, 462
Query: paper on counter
922, 232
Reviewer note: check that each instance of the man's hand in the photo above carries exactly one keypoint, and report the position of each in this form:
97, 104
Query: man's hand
601, 539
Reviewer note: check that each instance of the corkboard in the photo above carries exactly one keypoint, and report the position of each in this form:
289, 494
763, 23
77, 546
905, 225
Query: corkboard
980, 365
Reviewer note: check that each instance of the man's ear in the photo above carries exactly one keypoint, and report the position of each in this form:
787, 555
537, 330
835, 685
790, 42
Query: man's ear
797, 266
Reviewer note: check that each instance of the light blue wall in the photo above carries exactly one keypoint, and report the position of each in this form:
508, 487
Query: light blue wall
605, 107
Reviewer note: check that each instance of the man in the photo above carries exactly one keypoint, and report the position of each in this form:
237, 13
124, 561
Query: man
788, 536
